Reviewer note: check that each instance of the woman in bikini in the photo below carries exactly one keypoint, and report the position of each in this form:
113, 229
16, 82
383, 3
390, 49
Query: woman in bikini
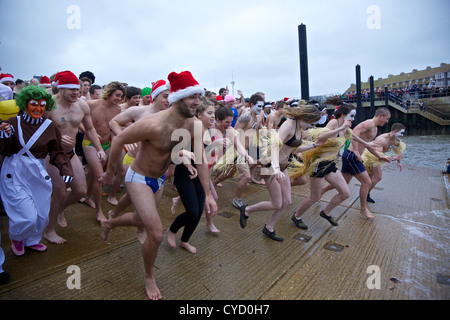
275, 162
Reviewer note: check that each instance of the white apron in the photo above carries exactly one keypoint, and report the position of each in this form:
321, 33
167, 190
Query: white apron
26, 189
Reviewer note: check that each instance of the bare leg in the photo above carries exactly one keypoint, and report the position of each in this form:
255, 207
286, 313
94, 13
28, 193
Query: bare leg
364, 178
120, 174
209, 220
124, 202
96, 171
315, 185
375, 177
61, 199
285, 188
244, 179
337, 181
145, 203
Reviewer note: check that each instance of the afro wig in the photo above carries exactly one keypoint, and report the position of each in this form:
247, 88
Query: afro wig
36, 93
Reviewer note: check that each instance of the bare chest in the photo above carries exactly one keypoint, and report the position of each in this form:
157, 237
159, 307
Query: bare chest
67, 119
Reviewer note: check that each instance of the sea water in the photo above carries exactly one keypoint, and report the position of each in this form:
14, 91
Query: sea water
427, 151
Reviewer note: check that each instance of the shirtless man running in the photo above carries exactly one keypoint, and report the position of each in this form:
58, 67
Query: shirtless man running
70, 112
146, 174
102, 112
352, 164
159, 98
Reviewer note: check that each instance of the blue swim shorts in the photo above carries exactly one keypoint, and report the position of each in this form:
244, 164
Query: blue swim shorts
351, 163
154, 184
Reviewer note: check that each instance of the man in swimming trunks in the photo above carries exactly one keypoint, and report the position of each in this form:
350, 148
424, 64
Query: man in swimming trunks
159, 98
69, 113
352, 165
102, 112
145, 175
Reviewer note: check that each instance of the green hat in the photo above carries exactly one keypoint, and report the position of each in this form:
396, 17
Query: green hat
146, 91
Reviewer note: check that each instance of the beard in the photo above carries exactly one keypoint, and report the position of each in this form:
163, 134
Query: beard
185, 110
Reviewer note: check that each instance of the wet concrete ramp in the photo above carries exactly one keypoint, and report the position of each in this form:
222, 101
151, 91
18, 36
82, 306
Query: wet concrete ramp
407, 242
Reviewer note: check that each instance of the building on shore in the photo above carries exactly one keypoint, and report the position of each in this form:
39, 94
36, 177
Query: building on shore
429, 78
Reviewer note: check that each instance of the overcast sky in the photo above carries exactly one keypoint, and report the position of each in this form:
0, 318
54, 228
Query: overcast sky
138, 42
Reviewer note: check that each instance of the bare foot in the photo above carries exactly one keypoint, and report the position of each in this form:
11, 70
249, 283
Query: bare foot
53, 237
367, 214
141, 234
100, 216
219, 185
61, 220
111, 214
212, 228
106, 229
112, 201
188, 247
171, 239
175, 202
151, 289
90, 203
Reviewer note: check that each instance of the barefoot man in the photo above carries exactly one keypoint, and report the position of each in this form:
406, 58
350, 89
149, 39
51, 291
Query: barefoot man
70, 112
352, 165
159, 97
102, 112
145, 176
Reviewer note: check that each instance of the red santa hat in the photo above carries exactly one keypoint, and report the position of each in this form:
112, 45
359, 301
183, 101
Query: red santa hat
66, 80
219, 98
45, 82
183, 85
157, 88
6, 77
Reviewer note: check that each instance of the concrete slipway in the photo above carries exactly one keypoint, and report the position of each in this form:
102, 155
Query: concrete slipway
408, 242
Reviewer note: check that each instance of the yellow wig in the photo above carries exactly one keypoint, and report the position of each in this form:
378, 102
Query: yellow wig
312, 157
371, 161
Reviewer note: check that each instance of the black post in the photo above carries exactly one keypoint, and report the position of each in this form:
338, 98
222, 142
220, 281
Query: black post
303, 62
359, 111
372, 97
